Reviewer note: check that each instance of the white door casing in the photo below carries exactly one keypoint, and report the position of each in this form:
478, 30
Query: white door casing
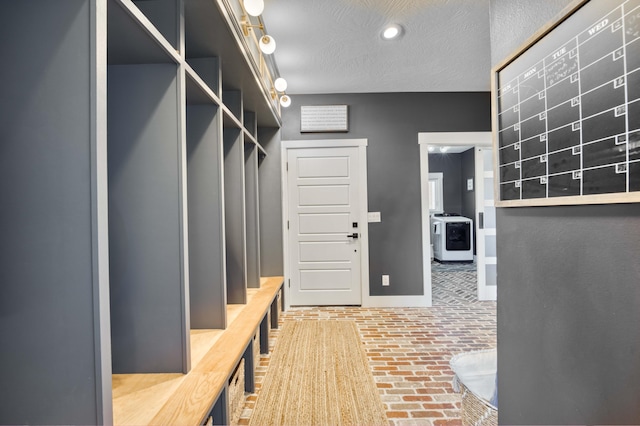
324, 196
485, 224
475, 139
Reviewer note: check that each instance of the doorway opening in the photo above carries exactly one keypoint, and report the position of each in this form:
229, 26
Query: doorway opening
458, 217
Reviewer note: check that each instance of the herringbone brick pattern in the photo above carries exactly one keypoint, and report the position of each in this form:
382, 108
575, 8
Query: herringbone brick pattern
409, 351
454, 283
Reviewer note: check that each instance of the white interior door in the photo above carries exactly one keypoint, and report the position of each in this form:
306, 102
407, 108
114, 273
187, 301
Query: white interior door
324, 226
485, 225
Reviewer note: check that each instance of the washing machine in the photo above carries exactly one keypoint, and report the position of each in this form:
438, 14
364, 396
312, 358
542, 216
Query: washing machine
452, 237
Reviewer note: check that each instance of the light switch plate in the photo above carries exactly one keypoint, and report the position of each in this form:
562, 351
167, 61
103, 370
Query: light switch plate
373, 217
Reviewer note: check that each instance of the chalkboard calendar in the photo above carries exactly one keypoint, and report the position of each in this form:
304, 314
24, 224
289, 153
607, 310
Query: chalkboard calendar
567, 110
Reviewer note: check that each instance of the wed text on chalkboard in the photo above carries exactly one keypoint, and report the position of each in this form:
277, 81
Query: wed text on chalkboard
567, 110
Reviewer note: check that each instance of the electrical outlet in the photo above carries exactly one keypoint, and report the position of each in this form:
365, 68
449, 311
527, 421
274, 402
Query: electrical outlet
385, 280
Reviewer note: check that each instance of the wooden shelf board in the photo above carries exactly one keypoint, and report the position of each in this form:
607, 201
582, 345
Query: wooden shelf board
202, 341
138, 397
178, 399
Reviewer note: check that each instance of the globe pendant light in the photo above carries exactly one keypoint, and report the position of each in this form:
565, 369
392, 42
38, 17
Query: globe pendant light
254, 7
267, 44
285, 101
280, 84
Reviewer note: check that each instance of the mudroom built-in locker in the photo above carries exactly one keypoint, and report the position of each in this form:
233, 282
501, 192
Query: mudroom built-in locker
130, 207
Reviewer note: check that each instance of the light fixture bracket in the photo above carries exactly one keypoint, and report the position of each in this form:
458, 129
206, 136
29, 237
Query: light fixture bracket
246, 25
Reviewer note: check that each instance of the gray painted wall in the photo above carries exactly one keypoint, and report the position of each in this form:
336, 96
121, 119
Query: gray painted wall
467, 171
450, 167
568, 291
391, 123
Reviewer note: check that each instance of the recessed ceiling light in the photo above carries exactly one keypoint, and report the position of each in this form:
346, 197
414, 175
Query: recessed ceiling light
391, 32
444, 149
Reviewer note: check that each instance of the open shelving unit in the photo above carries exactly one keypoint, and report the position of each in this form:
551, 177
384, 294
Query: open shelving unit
130, 214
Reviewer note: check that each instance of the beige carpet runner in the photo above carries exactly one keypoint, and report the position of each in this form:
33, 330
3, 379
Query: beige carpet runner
318, 375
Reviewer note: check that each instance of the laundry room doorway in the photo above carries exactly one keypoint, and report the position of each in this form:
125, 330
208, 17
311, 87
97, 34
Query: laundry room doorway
459, 254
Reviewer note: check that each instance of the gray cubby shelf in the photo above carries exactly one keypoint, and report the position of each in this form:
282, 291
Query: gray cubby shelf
149, 319
250, 125
163, 14
235, 215
207, 269
252, 203
130, 189
232, 100
133, 39
205, 73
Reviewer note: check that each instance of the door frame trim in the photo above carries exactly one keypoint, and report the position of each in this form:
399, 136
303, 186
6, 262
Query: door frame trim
484, 292
475, 139
361, 144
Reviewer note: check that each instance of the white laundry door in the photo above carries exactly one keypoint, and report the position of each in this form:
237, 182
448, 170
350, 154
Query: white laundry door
324, 228
485, 225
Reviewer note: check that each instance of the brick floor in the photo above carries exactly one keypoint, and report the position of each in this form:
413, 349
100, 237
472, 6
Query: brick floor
409, 351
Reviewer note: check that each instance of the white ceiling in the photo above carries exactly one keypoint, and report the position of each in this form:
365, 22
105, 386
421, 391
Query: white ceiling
334, 46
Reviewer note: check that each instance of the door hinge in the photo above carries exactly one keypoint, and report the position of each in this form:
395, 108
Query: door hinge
287, 166
289, 283
287, 224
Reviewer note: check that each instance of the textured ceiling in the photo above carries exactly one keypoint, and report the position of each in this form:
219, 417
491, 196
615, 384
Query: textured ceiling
334, 46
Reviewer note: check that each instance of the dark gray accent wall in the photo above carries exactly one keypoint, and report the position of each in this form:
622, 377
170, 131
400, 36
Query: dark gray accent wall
391, 123
450, 167
568, 291
49, 357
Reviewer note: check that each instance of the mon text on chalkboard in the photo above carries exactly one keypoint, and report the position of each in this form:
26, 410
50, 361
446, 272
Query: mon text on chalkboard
567, 110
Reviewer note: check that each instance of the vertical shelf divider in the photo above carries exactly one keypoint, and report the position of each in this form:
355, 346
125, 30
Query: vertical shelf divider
56, 362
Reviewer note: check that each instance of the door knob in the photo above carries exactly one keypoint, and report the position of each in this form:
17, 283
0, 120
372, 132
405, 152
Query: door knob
354, 235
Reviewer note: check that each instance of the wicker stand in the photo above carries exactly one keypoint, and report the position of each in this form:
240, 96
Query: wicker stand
236, 394
475, 411
479, 370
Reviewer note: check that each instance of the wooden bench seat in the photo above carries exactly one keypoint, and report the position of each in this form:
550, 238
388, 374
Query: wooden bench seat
187, 399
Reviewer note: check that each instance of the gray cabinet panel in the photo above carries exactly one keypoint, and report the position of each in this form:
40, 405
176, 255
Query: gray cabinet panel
49, 281
207, 282
252, 216
235, 215
146, 268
